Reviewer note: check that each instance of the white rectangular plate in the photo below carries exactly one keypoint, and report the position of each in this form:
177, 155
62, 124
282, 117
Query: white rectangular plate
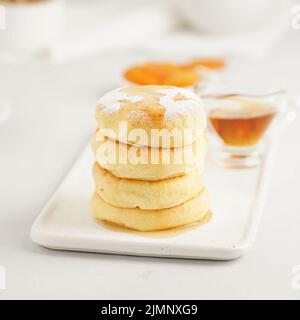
66, 223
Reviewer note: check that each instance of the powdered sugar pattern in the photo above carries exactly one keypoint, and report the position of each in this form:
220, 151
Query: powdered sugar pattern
173, 92
135, 99
174, 108
112, 100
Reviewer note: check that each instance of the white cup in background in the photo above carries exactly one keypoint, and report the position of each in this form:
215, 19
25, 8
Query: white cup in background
230, 16
32, 26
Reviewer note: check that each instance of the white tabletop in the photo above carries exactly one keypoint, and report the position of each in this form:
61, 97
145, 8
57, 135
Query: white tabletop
51, 122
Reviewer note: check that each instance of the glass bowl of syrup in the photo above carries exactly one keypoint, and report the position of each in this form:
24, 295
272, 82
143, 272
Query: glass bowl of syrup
240, 123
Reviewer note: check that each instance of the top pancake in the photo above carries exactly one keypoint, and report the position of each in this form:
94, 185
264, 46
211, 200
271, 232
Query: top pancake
168, 116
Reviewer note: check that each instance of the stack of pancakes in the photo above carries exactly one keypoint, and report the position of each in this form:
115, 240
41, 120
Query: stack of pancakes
149, 176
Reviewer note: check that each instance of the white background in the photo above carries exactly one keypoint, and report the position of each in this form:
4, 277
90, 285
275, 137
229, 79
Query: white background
53, 117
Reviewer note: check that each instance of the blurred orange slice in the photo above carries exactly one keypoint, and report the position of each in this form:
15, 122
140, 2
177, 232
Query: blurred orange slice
162, 74
208, 63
